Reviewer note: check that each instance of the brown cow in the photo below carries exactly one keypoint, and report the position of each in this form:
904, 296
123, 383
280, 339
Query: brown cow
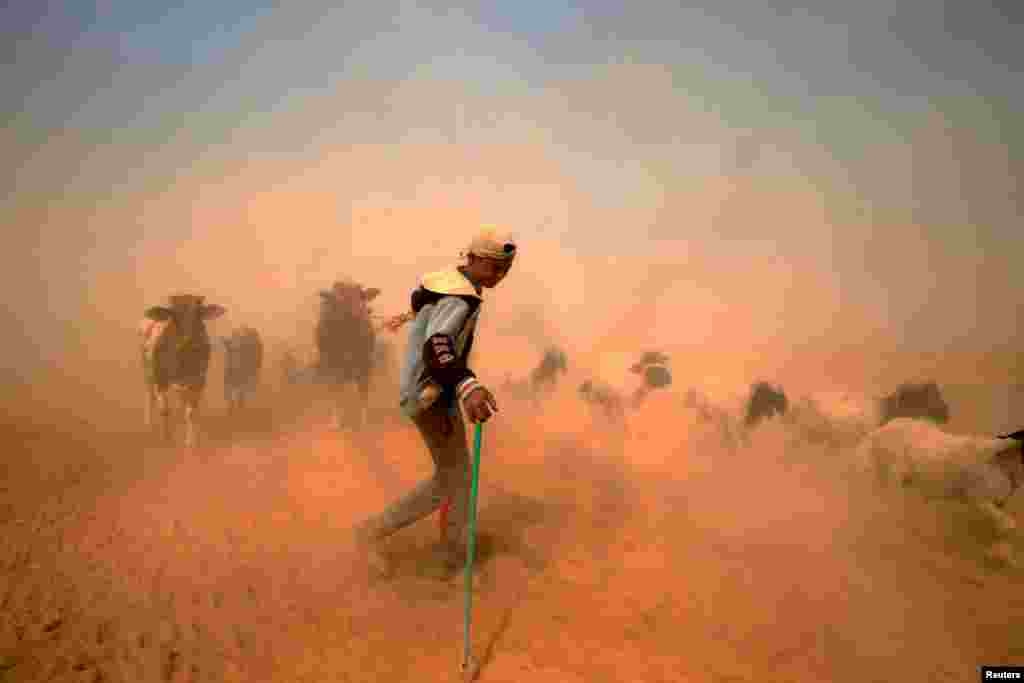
176, 353
345, 342
243, 361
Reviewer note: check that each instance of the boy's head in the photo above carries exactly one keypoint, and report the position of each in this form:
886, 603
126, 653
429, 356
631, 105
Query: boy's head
489, 257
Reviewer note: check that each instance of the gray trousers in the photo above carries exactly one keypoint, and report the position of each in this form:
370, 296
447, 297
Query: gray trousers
445, 437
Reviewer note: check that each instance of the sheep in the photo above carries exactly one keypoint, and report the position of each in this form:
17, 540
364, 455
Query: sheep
653, 366
737, 416
843, 419
718, 414
604, 398
981, 471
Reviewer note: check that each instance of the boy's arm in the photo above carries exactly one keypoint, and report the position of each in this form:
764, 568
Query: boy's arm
439, 354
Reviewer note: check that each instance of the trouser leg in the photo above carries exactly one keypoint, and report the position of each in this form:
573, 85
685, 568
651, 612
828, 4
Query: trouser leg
445, 438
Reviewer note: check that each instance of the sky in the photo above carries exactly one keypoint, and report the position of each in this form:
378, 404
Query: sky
785, 171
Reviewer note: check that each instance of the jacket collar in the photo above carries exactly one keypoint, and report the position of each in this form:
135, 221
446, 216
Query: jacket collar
450, 281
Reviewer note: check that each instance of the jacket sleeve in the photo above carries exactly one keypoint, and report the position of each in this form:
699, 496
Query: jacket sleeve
439, 353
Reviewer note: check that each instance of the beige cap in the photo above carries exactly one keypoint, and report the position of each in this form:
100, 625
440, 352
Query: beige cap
493, 244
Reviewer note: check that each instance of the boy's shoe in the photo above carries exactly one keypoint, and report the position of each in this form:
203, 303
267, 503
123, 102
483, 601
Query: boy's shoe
369, 547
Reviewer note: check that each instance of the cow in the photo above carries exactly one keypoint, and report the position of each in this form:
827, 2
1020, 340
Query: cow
176, 354
915, 400
653, 366
765, 401
345, 342
243, 360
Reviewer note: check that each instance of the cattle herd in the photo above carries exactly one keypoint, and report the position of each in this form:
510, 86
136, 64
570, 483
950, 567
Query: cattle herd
897, 438
176, 352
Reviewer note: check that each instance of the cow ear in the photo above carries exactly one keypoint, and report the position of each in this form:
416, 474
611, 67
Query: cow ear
371, 293
159, 313
325, 294
213, 311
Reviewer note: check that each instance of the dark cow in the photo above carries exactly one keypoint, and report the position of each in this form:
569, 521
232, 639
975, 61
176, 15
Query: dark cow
920, 401
653, 365
176, 354
765, 401
345, 341
243, 360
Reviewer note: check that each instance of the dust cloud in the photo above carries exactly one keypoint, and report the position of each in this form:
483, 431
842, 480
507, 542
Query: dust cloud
703, 562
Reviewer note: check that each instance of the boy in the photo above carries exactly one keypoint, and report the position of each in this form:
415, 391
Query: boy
435, 382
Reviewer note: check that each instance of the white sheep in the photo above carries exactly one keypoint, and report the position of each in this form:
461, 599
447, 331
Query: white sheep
721, 413
980, 470
843, 419
836, 419
736, 416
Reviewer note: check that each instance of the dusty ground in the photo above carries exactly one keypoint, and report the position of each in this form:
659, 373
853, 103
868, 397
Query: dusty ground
672, 560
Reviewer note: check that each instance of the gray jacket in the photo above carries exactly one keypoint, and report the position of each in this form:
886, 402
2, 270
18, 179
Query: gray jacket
449, 315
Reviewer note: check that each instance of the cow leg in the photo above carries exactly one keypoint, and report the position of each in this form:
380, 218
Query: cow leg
1002, 551
339, 402
364, 402
233, 400
1003, 522
639, 396
163, 406
150, 407
158, 412
190, 399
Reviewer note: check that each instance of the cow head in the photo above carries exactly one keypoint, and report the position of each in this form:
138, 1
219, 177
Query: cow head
346, 297
764, 402
189, 313
556, 359
648, 359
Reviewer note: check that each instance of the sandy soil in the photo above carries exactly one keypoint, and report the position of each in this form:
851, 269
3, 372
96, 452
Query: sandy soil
670, 559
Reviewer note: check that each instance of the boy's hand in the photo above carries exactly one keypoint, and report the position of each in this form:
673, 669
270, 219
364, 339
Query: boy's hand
393, 323
479, 405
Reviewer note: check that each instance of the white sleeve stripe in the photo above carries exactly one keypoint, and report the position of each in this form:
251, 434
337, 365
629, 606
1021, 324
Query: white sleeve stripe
448, 317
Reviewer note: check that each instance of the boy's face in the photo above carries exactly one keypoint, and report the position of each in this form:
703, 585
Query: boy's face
488, 272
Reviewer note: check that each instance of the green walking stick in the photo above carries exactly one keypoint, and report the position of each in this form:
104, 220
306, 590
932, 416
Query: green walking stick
470, 666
